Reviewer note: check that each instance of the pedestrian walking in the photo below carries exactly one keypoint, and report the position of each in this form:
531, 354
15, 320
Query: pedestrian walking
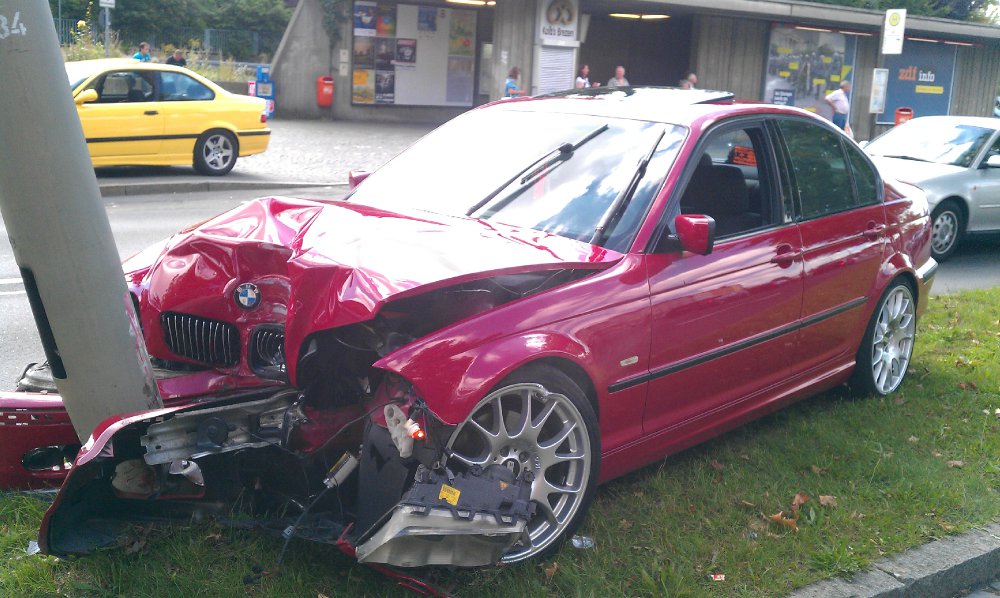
619, 79
510, 87
840, 103
143, 54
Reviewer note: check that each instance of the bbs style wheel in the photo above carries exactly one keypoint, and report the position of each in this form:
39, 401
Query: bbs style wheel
537, 420
884, 355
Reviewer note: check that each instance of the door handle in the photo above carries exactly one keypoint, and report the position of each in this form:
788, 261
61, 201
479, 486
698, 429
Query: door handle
874, 231
151, 112
786, 254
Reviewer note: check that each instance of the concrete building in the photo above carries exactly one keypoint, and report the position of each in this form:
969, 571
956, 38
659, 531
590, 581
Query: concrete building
428, 61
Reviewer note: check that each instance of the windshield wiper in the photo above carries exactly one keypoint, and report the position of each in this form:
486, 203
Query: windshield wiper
562, 152
618, 206
901, 157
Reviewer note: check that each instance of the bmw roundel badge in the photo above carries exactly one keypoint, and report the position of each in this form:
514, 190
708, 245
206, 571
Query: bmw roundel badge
247, 295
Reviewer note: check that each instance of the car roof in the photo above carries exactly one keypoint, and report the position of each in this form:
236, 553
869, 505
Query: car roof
105, 64
656, 104
979, 121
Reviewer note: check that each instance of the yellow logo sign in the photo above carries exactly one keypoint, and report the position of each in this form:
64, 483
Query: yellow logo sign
894, 19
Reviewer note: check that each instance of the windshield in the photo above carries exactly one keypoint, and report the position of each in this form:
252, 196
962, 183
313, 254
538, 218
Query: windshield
77, 72
939, 141
557, 173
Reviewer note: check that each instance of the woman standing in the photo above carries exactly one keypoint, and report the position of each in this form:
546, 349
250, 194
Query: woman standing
583, 77
510, 88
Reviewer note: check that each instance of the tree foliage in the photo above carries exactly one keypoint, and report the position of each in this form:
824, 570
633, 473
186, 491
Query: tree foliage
158, 17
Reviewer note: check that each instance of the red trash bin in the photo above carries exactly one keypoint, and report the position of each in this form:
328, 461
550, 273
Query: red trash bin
324, 92
903, 114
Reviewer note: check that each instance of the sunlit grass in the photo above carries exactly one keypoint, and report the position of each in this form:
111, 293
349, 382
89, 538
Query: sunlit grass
904, 470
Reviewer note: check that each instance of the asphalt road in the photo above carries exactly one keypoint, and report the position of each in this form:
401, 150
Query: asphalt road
142, 220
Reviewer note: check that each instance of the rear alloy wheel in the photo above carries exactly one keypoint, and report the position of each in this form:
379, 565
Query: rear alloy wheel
537, 420
215, 153
946, 228
885, 351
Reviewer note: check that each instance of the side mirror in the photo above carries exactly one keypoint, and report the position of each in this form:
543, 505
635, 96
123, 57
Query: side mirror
993, 161
695, 232
86, 96
356, 177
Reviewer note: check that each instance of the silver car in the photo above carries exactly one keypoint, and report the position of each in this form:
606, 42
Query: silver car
956, 161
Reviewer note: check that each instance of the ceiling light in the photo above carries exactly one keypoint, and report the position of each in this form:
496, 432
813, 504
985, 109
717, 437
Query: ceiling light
959, 44
472, 2
922, 39
654, 17
857, 33
624, 15
814, 29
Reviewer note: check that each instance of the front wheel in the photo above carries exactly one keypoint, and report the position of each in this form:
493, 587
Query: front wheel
215, 153
946, 229
539, 420
884, 355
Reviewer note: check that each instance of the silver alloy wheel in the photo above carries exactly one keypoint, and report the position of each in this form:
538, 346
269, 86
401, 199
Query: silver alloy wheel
524, 426
944, 231
218, 151
892, 341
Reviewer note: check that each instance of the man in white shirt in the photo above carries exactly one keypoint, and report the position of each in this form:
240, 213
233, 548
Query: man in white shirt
840, 103
619, 79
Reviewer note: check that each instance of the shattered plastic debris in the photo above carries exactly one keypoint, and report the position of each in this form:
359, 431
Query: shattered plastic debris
718, 577
582, 542
33, 547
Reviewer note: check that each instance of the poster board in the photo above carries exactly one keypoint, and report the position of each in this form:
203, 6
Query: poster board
920, 78
804, 65
410, 55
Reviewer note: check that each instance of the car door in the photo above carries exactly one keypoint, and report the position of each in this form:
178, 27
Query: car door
125, 120
984, 207
838, 198
187, 109
723, 324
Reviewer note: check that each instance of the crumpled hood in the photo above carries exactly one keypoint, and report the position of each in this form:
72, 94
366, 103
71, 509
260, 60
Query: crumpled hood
320, 265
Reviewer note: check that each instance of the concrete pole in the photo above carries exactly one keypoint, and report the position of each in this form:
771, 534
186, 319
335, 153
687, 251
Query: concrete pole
59, 231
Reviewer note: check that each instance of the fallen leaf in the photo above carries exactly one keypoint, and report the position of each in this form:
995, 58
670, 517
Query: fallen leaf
551, 570
913, 439
745, 456
692, 508
827, 500
968, 386
780, 518
955, 464
857, 515
817, 469
800, 499
936, 453
625, 524
322, 595
947, 527
900, 401
717, 466
747, 503
135, 545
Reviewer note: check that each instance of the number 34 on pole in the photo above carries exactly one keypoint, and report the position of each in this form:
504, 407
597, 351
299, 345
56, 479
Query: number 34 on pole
12, 27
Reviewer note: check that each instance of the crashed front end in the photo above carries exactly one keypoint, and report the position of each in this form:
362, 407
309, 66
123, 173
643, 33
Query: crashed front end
290, 314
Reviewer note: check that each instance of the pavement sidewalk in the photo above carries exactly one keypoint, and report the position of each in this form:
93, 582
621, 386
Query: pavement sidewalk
301, 153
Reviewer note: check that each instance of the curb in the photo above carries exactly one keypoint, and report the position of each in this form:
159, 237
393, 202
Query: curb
148, 188
941, 568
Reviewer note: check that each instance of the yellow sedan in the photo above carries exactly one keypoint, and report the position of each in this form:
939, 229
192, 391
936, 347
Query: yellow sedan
142, 113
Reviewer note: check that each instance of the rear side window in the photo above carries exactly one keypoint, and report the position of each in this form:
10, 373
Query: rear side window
820, 175
178, 87
865, 178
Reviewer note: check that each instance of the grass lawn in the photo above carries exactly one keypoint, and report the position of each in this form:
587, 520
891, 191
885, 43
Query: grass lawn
880, 476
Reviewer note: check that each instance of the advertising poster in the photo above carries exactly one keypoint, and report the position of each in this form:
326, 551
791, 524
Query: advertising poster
364, 19
803, 66
363, 91
462, 33
385, 25
460, 74
385, 87
406, 52
385, 52
364, 52
427, 19
920, 78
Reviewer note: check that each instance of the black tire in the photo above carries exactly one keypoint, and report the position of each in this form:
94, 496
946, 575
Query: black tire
539, 386
215, 152
947, 227
887, 346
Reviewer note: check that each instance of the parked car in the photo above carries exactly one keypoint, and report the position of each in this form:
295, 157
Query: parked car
541, 295
956, 161
144, 113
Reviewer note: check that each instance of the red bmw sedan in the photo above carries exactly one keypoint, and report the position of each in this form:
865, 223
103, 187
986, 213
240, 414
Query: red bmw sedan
537, 297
